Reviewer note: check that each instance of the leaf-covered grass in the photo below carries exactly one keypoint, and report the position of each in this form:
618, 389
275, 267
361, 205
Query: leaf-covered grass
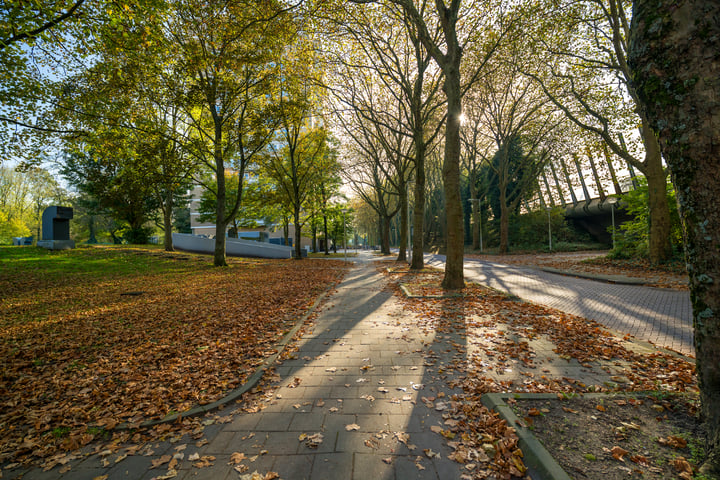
96, 336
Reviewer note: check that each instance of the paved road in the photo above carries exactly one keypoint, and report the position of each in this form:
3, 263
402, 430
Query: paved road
660, 316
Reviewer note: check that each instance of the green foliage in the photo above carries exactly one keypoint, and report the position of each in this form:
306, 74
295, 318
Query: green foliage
632, 237
257, 206
115, 189
24, 195
11, 227
514, 165
529, 231
181, 223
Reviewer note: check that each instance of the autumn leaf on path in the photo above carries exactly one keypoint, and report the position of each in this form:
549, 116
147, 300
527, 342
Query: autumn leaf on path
170, 474
311, 441
258, 476
160, 461
351, 427
236, 457
205, 461
430, 454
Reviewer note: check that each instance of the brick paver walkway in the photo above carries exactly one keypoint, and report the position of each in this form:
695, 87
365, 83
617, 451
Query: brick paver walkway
660, 316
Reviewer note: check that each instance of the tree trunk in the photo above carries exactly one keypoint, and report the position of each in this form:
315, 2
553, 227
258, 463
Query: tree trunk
659, 211
286, 230
504, 222
418, 260
385, 235
91, 227
327, 248
454, 278
167, 221
219, 259
403, 194
673, 53
298, 247
314, 236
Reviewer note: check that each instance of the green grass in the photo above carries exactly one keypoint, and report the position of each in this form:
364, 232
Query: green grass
99, 262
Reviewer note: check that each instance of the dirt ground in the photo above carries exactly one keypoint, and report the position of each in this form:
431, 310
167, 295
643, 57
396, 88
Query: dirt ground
618, 437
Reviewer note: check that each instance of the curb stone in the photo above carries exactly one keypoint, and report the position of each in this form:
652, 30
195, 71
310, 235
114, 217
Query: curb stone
541, 465
619, 279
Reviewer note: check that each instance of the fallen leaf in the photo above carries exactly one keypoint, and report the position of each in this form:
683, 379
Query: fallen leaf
352, 426
682, 465
618, 453
160, 461
673, 441
430, 454
236, 458
205, 461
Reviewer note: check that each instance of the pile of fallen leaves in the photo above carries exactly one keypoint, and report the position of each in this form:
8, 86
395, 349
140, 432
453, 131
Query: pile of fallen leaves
507, 325
84, 353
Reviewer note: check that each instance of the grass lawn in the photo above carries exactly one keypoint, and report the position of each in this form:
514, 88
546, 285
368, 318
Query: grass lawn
97, 336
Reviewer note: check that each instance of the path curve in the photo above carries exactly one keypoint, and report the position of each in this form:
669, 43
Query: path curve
658, 315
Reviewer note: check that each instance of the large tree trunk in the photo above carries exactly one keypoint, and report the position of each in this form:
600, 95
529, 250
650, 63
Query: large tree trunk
403, 194
220, 223
454, 278
219, 259
674, 54
659, 214
418, 260
385, 235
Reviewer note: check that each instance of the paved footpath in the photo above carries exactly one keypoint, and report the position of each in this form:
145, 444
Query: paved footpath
658, 315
